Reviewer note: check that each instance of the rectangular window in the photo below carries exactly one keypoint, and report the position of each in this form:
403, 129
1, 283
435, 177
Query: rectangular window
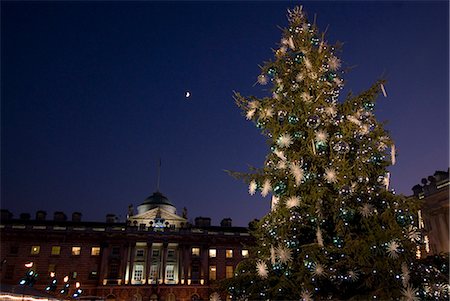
140, 253
113, 271
138, 272
244, 253
212, 272
154, 272
56, 250
171, 253
115, 251
229, 271
155, 253
95, 251
170, 272
76, 251
212, 253
93, 275
195, 251
35, 250
74, 275
229, 253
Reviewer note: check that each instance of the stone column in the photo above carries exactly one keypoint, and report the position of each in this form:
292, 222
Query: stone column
132, 254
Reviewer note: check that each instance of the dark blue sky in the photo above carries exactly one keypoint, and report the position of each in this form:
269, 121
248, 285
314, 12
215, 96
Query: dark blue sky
93, 94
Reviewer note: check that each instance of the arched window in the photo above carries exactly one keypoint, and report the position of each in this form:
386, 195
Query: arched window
137, 297
154, 297
171, 297
195, 297
111, 298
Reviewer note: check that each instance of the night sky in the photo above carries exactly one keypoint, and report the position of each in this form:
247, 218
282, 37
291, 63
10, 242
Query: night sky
93, 94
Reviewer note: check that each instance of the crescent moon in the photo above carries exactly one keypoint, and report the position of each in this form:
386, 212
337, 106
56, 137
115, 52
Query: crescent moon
188, 94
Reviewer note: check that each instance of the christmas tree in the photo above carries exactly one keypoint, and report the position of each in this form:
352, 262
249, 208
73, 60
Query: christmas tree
335, 230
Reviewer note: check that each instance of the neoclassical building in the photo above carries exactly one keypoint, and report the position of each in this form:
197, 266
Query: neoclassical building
155, 255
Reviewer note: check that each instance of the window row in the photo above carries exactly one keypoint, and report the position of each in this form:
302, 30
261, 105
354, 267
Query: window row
56, 250
213, 253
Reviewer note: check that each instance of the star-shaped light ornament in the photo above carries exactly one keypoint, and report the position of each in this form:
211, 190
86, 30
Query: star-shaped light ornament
267, 113
308, 64
285, 140
405, 274
334, 63
252, 187
262, 79
331, 111
215, 297
318, 270
295, 14
284, 254
413, 233
297, 172
319, 237
250, 114
366, 210
330, 175
353, 276
306, 97
300, 77
306, 296
410, 293
281, 164
266, 188
261, 269
321, 136
273, 255
279, 154
293, 201
353, 119
393, 249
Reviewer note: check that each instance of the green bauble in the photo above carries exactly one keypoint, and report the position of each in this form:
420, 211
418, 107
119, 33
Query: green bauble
299, 135
271, 71
321, 146
338, 242
315, 41
331, 76
299, 58
369, 106
292, 119
279, 189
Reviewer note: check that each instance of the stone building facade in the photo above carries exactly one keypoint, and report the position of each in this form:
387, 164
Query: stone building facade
155, 255
434, 213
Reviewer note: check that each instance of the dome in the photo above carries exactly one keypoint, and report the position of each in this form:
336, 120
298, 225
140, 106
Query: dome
156, 200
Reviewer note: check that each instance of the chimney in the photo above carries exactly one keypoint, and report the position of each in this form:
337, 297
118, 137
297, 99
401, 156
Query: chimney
76, 217
111, 218
226, 222
202, 221
59, 216
6, 215
25, 216
41, 215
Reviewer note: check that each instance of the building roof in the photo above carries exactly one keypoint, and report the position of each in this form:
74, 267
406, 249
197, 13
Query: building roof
157, 198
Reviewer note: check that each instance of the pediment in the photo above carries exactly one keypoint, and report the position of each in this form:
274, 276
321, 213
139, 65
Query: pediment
151, 215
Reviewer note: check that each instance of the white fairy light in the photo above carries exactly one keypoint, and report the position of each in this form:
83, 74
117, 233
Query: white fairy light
252, 187
266, 188
285, 140
293, 201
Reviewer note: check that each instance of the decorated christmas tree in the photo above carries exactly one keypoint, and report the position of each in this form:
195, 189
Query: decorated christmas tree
335, 230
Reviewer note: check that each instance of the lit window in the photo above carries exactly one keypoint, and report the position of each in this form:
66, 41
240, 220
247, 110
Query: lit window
170, 272
229, 253
76, 251
212, 253
244, 253
56, 250
95, 251
153, 272
35, 250
229, 271
196, 251
212, 272
138, 272
74, 275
